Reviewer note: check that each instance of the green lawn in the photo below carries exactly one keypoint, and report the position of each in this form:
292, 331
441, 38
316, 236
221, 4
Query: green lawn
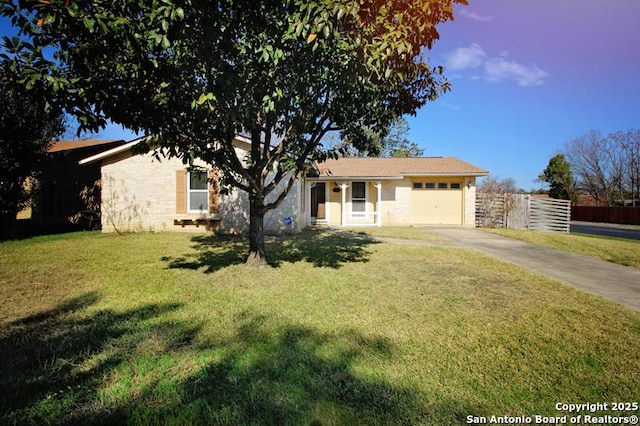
173, 329
616, 250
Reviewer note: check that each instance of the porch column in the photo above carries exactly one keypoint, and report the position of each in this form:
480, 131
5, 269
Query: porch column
343, 210
378, 186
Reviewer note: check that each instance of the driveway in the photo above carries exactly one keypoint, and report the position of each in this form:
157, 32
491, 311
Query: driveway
617, 283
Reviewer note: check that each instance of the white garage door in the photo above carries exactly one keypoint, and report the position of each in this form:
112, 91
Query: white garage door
437, 203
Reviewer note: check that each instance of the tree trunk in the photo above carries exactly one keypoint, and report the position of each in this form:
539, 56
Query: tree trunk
257, 256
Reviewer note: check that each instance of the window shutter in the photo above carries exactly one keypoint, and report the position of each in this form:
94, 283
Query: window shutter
181, 191
214, 192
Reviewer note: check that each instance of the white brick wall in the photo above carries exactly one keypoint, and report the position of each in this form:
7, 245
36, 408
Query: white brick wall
139, 194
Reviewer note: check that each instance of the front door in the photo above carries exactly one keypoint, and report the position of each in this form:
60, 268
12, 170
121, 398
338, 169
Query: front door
318, 201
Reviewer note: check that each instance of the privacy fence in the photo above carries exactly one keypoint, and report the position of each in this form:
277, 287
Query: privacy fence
624, 215
521, 211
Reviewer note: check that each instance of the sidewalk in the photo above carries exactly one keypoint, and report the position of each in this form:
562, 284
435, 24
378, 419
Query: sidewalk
617, 283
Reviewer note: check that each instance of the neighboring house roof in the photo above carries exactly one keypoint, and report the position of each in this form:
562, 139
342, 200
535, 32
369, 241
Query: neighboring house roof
113, 151
127, 146
395, 168
58, 146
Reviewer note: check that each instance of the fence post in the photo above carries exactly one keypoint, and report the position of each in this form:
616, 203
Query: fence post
528, 219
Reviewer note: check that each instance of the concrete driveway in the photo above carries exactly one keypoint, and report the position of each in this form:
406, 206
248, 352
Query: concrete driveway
617, 283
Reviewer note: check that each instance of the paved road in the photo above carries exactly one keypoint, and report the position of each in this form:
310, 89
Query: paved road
618, 283
607, 230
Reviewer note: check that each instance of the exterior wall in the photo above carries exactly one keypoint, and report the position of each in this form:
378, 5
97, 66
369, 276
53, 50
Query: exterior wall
396, 200
289, 216
139, 194
469, 202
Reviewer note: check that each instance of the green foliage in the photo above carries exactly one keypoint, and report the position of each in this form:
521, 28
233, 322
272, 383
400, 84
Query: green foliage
397, 144
390, 142
28, 123
560, 178
197, 72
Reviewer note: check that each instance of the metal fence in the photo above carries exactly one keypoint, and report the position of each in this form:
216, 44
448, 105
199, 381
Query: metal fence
521, 211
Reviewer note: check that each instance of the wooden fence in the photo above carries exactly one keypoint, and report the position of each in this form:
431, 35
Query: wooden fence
521, 211
624, 215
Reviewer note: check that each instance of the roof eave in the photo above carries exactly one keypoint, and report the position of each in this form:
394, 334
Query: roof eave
127, 146
108, 153
404, 175
331, 178
438, 174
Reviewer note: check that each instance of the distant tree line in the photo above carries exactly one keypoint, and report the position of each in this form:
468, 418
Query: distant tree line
605, 168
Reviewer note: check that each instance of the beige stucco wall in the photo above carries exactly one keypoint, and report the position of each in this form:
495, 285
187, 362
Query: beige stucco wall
139, 194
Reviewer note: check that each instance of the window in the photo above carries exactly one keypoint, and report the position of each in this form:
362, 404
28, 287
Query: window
455, 185
442, 185
430, 185
198, 192
358, 197
417, 185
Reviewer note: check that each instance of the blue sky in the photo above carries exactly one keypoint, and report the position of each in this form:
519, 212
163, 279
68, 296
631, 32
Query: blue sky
527, 76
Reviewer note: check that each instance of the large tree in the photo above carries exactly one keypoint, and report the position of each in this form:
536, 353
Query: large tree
194, 73
390, 142
28, 123
397, 144
607, 168
559, 176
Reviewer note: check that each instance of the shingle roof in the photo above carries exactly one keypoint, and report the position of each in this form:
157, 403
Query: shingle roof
70, 145
396, 167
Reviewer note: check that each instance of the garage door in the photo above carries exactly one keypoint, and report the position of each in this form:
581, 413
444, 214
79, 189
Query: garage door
436, 203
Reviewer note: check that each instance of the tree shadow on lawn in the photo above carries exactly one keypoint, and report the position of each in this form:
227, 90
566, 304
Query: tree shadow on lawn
62, 366
54, 362
274, 373
322, 248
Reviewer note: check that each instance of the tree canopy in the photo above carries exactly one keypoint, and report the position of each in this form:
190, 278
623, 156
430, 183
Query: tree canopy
391, 142
607, 168
194, 73
559, 176
28, 123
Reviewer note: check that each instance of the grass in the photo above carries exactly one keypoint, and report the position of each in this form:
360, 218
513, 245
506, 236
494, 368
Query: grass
173, 329
615, 250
